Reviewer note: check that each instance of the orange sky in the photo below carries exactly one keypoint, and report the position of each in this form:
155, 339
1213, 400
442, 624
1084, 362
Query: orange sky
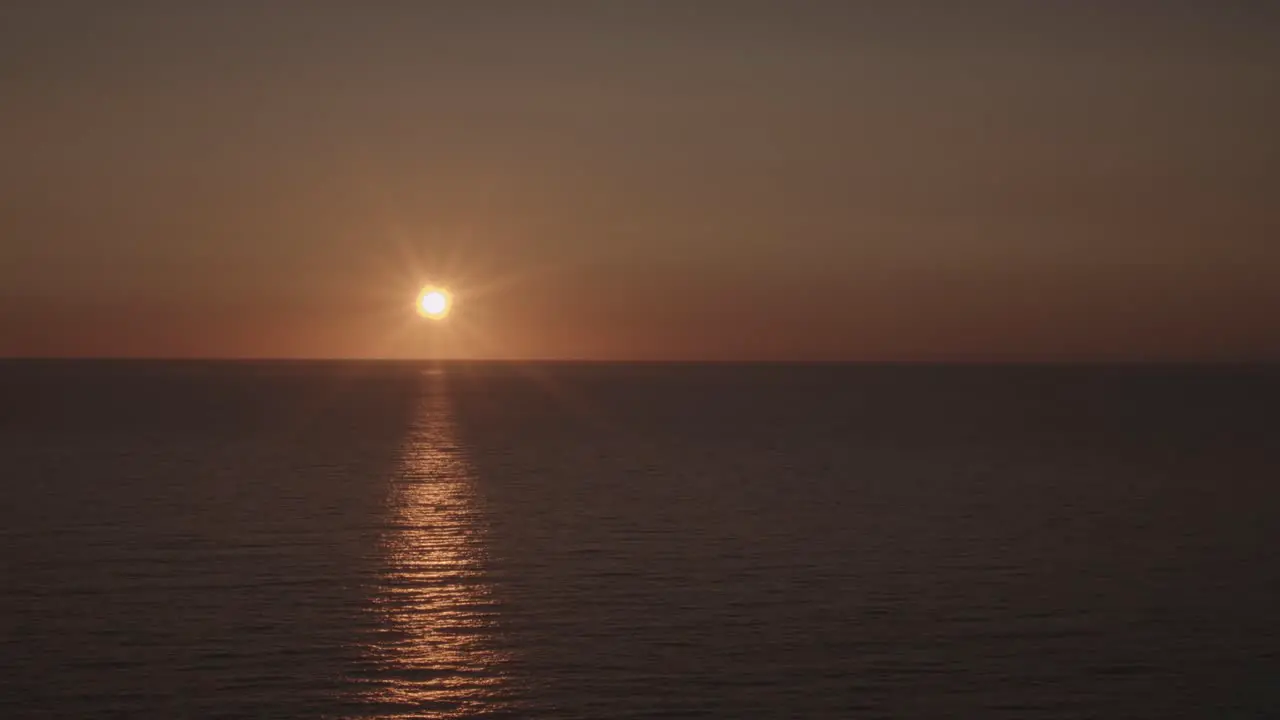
603, 181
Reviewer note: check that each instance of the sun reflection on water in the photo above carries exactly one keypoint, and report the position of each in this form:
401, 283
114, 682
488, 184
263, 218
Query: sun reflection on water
435, 654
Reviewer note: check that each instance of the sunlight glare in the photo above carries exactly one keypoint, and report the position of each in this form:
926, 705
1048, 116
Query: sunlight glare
434, 303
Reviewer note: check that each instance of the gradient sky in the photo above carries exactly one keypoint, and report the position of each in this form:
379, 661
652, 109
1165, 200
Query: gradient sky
641, 180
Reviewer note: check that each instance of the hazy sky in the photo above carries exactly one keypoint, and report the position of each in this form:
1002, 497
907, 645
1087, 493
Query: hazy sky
641, 180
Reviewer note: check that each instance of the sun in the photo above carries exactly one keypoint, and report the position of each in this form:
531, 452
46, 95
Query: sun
434, 303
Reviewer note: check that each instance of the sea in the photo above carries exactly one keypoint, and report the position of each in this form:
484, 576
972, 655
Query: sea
556, 540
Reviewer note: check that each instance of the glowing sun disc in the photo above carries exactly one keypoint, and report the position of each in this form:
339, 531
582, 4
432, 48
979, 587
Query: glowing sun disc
434, 303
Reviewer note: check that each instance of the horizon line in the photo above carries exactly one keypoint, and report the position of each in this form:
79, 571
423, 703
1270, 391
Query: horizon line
655, 361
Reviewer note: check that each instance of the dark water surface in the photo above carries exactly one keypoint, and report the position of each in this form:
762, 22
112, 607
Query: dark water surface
627, 541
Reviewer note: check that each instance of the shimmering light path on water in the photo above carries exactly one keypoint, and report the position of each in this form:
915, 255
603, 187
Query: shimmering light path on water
436, 649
